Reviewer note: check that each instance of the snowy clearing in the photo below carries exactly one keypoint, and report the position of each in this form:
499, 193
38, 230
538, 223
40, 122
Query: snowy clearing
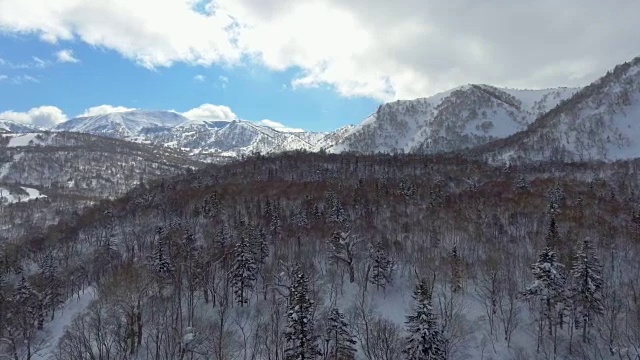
7, 196
17, 140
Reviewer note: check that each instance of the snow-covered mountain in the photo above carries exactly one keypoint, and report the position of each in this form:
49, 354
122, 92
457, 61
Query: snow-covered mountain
232, 138
124, 125
601, 122
463, 117
10, 126
202, 138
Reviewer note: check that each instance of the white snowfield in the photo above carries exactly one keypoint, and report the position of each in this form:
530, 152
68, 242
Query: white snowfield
25, 139
8, 197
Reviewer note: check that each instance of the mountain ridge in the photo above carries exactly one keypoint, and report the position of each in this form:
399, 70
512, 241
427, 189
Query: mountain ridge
592, 125
467, 118
468, 114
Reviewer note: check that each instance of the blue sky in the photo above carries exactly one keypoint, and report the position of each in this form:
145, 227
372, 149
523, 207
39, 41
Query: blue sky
315, 64
102, 76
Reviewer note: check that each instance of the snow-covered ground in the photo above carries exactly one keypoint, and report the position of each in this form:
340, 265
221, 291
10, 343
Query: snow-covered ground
16, 140
55, 329
6, 196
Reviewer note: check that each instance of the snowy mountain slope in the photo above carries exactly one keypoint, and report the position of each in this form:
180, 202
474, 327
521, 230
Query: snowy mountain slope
330, 139
9, 126
232, 138
462, 117
601, 122
124, 125
201, 138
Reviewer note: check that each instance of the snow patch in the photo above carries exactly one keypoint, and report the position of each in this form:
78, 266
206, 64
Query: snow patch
55, 329
7, 196
18, 140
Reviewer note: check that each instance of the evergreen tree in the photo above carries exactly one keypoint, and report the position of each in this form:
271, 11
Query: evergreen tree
586, 292
5, 306
300, 218
300, 335
211, 205
334, 209
339, 338
425, 340
548, 286
407, 188
260, 246
552, 238
161, 262
381, 266
635, 221
556, 197
275, 225
51, 288
456, 270
243, 271
28, 306
521, 184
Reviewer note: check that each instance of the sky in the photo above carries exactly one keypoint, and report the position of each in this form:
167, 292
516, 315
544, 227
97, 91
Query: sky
312, 64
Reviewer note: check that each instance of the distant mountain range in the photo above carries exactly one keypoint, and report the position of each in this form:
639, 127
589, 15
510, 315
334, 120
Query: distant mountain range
208, 139
463, 117
598, 122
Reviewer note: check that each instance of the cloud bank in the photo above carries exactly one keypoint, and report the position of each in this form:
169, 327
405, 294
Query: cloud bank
379, 49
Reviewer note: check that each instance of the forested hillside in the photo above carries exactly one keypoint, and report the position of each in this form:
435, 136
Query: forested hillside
46, 176
309, 256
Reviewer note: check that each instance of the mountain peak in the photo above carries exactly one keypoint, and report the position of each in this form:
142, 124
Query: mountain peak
464, 116
598, 123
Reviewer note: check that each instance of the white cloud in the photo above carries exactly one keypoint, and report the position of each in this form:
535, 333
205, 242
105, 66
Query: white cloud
66, 56
3, 77
223, 81
35, 63
199, 78
210, 112
278, 126
173, 32
39, 63
104, 109
376, 48
43, 116
23, 79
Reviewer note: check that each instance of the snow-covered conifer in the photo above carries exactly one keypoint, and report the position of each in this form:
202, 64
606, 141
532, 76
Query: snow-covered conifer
300, 334
339, 337
381, 266
425, 340
586, 292
243, 271
548, 286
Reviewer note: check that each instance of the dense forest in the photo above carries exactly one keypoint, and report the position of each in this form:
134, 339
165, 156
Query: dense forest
313, 256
